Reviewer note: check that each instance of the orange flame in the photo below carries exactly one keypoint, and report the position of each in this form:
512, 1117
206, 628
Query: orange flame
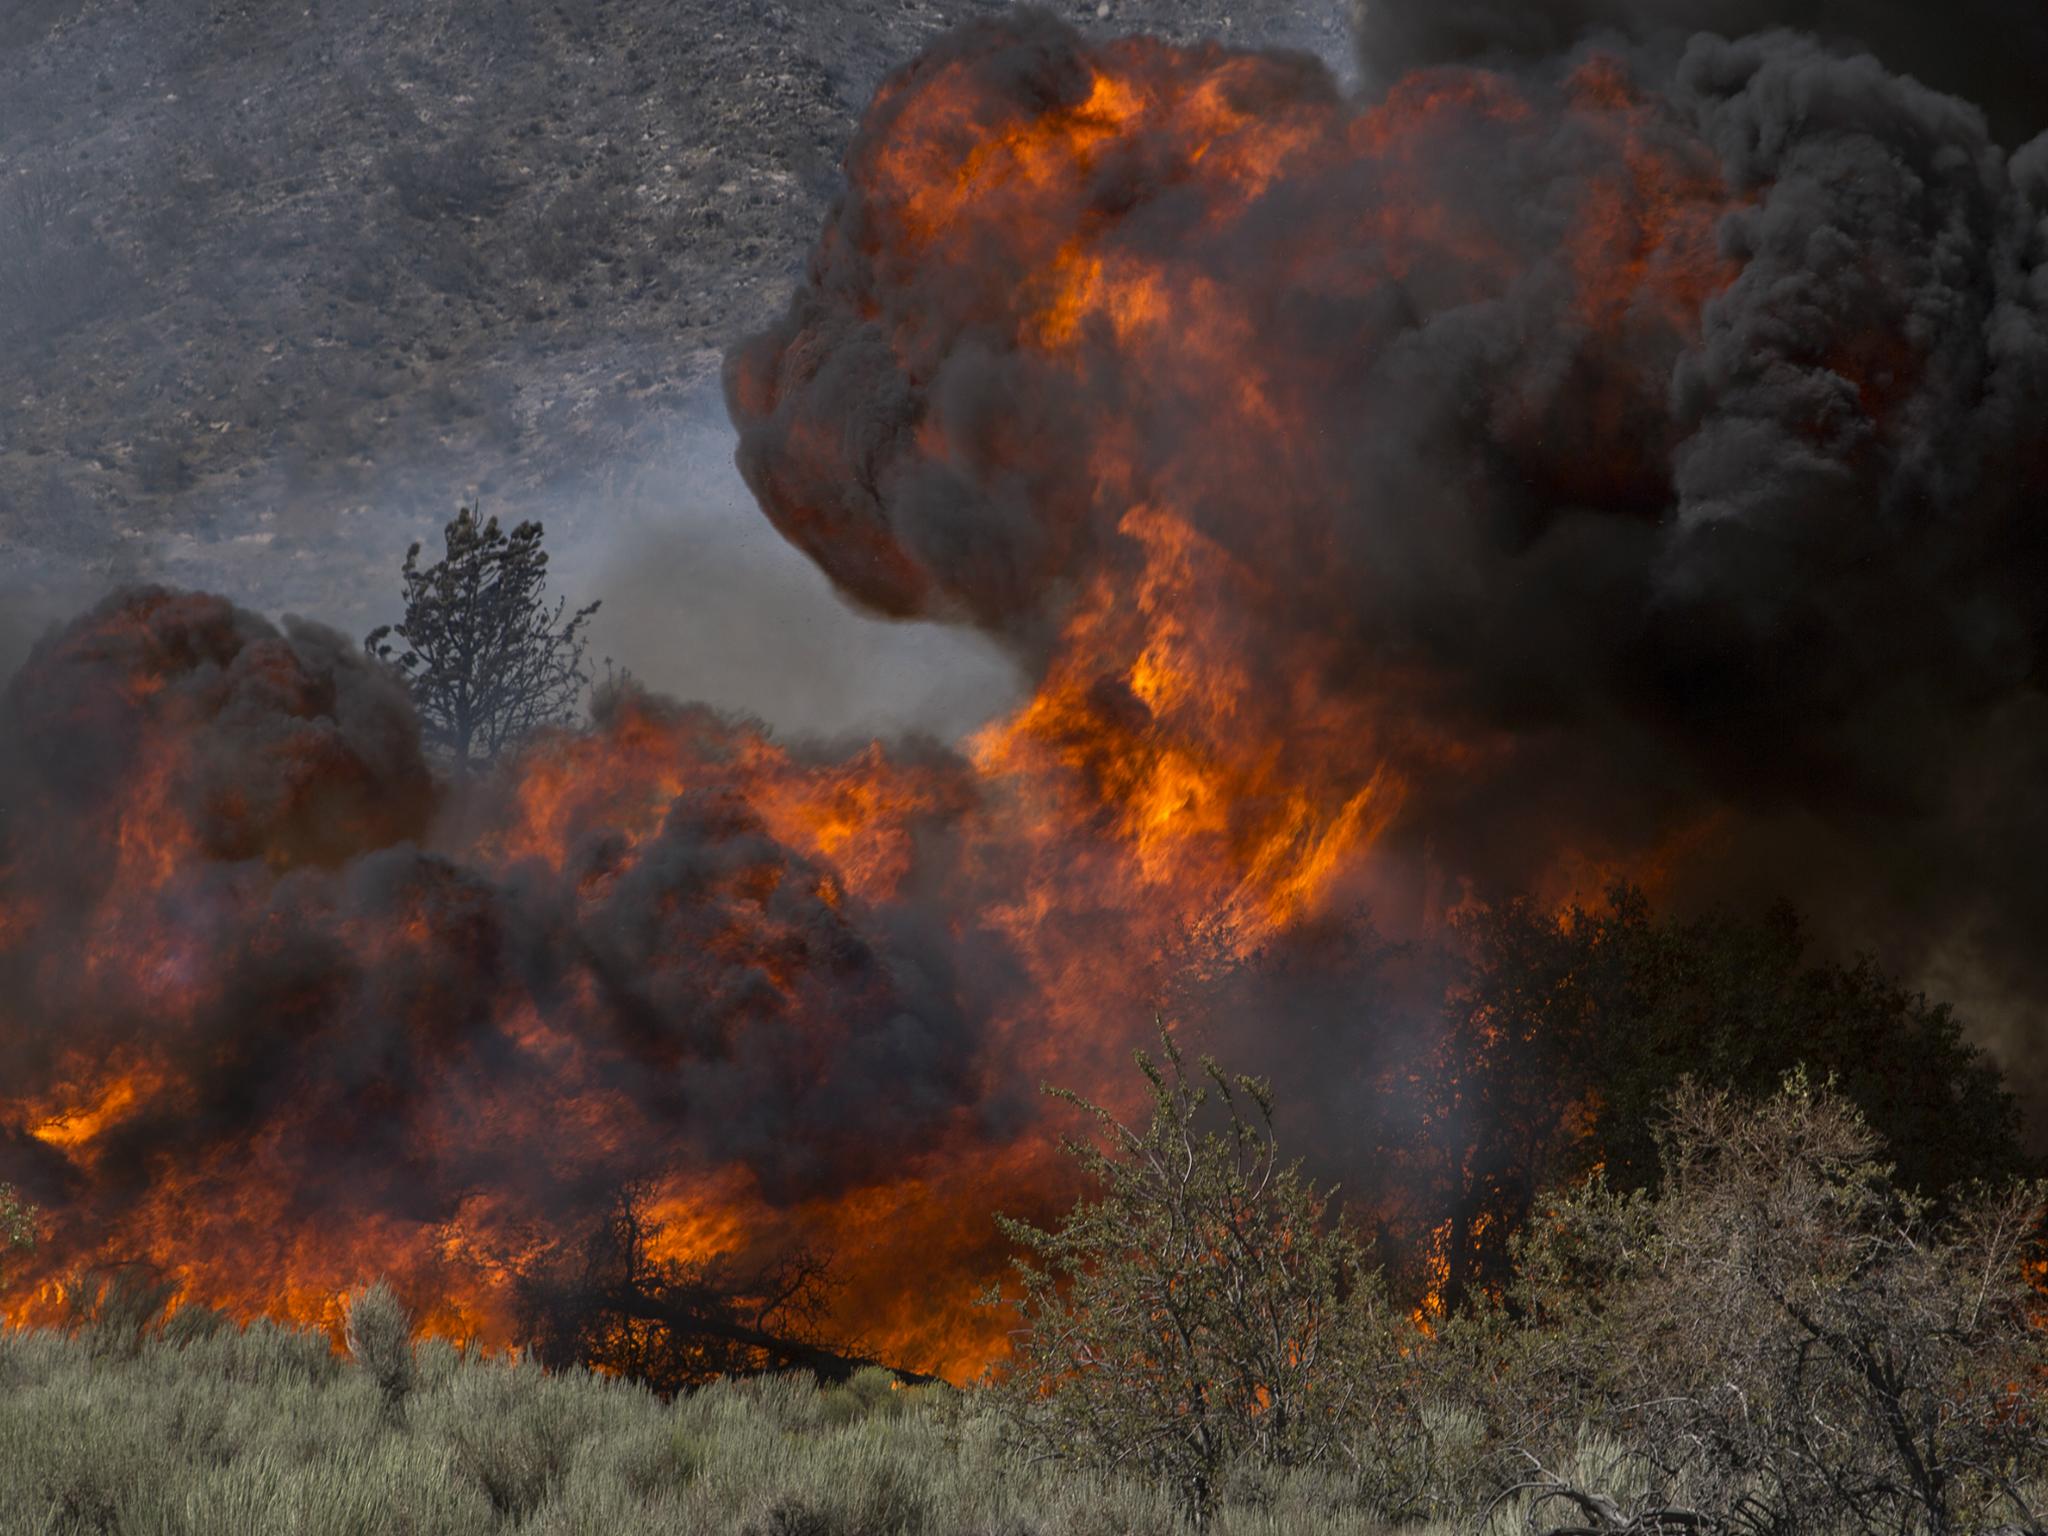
1170, 774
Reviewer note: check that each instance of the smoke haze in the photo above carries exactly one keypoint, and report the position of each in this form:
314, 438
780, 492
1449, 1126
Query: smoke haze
1597, 448
1667, 416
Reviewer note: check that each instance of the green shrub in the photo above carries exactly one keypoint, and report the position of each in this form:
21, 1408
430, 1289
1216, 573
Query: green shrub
870, 1391
267, 1430
1206, 1310
17, 1227
379, 1339
191, 1324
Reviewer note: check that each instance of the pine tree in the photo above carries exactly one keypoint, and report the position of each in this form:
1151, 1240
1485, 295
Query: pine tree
486, 657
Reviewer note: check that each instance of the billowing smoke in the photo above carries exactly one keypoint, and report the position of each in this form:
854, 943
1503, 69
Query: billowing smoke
1637, 444
1621, 453
264, 1027
1990, 53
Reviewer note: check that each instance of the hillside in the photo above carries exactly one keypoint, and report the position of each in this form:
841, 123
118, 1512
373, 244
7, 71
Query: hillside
278, 284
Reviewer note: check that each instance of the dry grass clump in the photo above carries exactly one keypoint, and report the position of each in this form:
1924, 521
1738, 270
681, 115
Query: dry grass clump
379, 1339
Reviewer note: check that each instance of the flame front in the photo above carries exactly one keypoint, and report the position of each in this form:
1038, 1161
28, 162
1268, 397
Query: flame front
1127, 354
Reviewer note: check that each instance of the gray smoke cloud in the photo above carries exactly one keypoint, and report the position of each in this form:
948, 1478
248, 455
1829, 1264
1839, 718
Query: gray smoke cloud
363, 995
1700, 456
704, 601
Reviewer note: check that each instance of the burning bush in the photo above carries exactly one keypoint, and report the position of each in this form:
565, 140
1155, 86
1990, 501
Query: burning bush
612, 1303
1565, 1030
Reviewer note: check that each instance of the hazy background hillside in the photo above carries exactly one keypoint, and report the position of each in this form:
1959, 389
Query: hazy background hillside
278, 284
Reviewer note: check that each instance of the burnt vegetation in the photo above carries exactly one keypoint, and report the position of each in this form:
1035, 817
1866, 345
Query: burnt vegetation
610, 1302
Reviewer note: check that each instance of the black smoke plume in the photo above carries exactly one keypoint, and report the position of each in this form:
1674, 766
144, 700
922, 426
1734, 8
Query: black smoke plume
1606, 449
1991, 54
1688, 447
303, 1031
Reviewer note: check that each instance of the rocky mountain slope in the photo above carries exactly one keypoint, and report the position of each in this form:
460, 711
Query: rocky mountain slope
279, 283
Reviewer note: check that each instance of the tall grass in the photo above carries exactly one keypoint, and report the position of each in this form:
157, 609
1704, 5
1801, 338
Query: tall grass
266, 1430
201, 1430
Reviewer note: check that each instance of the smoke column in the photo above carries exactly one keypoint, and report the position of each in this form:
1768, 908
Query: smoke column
1636, 442
1592, 452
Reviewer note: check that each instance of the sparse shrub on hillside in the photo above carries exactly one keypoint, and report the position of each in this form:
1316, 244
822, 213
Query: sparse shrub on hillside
568, 232
23, 22
451, 181
448, 262
379, 1338
161, 467
54, 269
368, 279
1204, 1309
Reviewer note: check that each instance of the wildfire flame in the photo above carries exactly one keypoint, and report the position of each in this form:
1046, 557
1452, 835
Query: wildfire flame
282, 1018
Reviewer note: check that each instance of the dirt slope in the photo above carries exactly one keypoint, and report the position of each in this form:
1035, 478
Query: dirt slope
276, 279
